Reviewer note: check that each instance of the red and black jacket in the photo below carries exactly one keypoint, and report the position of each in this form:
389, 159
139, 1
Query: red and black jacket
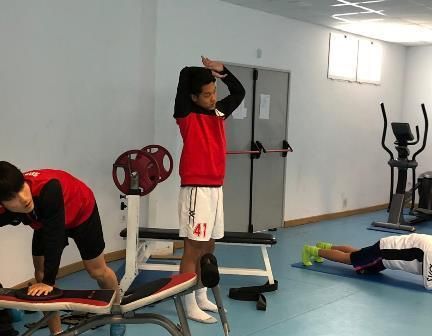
62, 202
203, 156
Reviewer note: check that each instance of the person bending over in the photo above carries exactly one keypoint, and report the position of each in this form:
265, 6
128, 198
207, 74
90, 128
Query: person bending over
410, 253
200, 117
56, 205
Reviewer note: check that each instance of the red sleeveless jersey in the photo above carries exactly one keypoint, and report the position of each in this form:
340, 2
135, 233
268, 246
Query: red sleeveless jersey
203, 155
79, 200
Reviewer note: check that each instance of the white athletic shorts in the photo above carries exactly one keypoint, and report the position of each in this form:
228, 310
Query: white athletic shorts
201, 215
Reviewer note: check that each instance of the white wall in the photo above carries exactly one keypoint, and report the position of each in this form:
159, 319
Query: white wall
82, 81
334, 127
418, 89
76, 90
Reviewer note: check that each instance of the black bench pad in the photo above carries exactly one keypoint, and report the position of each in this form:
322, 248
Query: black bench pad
230, 237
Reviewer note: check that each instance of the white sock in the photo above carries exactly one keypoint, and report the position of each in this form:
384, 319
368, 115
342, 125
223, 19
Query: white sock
194, 312
203, 302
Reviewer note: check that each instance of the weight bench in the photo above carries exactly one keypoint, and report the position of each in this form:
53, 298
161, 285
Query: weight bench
100, 302
138, 254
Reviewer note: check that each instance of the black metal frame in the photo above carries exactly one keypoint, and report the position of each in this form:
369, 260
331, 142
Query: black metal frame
398, 200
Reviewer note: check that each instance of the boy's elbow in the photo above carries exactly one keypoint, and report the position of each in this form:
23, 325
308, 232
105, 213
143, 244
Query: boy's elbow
241, 95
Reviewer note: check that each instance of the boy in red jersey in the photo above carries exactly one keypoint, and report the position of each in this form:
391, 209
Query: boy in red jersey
200, 118
57, 206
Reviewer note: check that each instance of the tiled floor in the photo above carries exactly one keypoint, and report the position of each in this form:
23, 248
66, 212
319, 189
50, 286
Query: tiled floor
306, 303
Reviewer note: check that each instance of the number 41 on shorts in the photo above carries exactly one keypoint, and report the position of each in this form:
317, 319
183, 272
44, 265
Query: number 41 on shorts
200, 228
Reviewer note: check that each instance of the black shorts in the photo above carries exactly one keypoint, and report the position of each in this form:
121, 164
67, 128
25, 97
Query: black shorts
368, 259
88, 238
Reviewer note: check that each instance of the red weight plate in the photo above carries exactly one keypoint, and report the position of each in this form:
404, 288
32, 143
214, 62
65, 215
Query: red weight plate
160, 154
136, 161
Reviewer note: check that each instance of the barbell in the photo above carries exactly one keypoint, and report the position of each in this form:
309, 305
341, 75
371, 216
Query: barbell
138, 171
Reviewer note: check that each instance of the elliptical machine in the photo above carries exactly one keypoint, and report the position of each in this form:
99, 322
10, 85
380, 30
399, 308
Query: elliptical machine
404, 139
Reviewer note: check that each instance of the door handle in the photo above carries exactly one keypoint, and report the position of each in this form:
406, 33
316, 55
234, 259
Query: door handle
286, 148
255, 151
260, 146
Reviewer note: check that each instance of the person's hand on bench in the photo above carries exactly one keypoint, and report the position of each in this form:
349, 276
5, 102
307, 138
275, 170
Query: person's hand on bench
39, 289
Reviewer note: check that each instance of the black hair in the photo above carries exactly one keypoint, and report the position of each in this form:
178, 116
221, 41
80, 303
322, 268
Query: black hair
11, 181
200, 76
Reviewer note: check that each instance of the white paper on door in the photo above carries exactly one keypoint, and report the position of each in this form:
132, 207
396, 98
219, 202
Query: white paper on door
264, 111
241, 111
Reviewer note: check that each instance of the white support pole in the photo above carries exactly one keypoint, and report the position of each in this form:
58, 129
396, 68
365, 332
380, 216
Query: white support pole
133, 218
267, 264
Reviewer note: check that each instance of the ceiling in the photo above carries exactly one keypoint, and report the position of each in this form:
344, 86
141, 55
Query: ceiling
408, 22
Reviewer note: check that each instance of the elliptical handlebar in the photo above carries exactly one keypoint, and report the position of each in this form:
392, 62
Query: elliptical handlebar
425, 133
385, 132
417, 137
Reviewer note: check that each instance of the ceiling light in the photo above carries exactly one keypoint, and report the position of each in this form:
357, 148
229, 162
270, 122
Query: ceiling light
355, 4
363, 10
391, 32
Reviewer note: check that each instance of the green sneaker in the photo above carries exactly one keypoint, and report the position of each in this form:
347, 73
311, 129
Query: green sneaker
309, 253
319, 260
324, 245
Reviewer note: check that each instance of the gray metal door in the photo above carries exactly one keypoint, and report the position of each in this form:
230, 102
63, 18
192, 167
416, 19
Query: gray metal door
271, 113
237, 179
254, 188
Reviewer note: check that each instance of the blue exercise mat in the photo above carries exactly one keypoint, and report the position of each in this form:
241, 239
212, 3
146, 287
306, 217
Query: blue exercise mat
388, 277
